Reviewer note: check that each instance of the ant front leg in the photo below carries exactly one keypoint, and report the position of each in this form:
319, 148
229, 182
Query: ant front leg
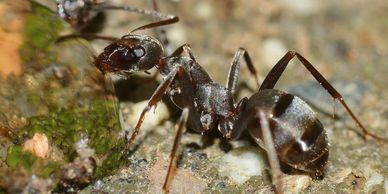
235, 68
155, 98
179, 74
274, 75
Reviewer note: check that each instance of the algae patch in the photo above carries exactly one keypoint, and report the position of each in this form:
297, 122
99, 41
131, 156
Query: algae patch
18, 158
41, 29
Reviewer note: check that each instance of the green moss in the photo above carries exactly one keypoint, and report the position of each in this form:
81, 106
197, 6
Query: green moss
64, 127
18, 158
112, 161
41, 29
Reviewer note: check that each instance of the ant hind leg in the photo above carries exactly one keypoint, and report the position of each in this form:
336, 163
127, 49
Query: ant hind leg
275, 73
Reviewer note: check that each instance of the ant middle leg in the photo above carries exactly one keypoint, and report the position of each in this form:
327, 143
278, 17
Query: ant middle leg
275, 73
235, 68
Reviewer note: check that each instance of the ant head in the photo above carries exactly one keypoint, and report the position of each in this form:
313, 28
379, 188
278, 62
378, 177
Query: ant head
130, 54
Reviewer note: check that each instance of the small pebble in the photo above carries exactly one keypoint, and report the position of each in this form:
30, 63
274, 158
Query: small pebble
296, 183
375, 179
38, 145
152, 118
99, 184
242, 163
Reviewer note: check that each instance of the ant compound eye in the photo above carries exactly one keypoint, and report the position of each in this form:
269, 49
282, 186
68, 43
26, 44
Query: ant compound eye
126, 55
138, 51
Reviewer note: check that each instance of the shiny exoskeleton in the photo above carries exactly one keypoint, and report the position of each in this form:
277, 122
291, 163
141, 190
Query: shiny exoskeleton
299, 139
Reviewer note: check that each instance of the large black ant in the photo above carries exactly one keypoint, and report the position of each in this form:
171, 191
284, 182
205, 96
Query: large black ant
282, 124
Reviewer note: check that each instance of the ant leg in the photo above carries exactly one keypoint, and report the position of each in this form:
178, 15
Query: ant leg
271, 152
235, 67
274, 75
184, 48
163, 18
181, 128
187, 101
155, 98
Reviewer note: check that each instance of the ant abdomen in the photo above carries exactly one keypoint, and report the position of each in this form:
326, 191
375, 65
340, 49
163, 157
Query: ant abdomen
299, 137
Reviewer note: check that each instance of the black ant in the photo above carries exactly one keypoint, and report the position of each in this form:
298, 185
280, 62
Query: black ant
282, 124
79, 13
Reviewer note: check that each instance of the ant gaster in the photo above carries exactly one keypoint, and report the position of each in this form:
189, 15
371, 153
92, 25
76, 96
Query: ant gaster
281, 123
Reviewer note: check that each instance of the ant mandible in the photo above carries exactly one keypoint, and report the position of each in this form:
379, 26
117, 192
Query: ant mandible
282, 124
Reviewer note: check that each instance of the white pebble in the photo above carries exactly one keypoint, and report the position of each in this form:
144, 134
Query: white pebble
242, 163
152, 118
296, 183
